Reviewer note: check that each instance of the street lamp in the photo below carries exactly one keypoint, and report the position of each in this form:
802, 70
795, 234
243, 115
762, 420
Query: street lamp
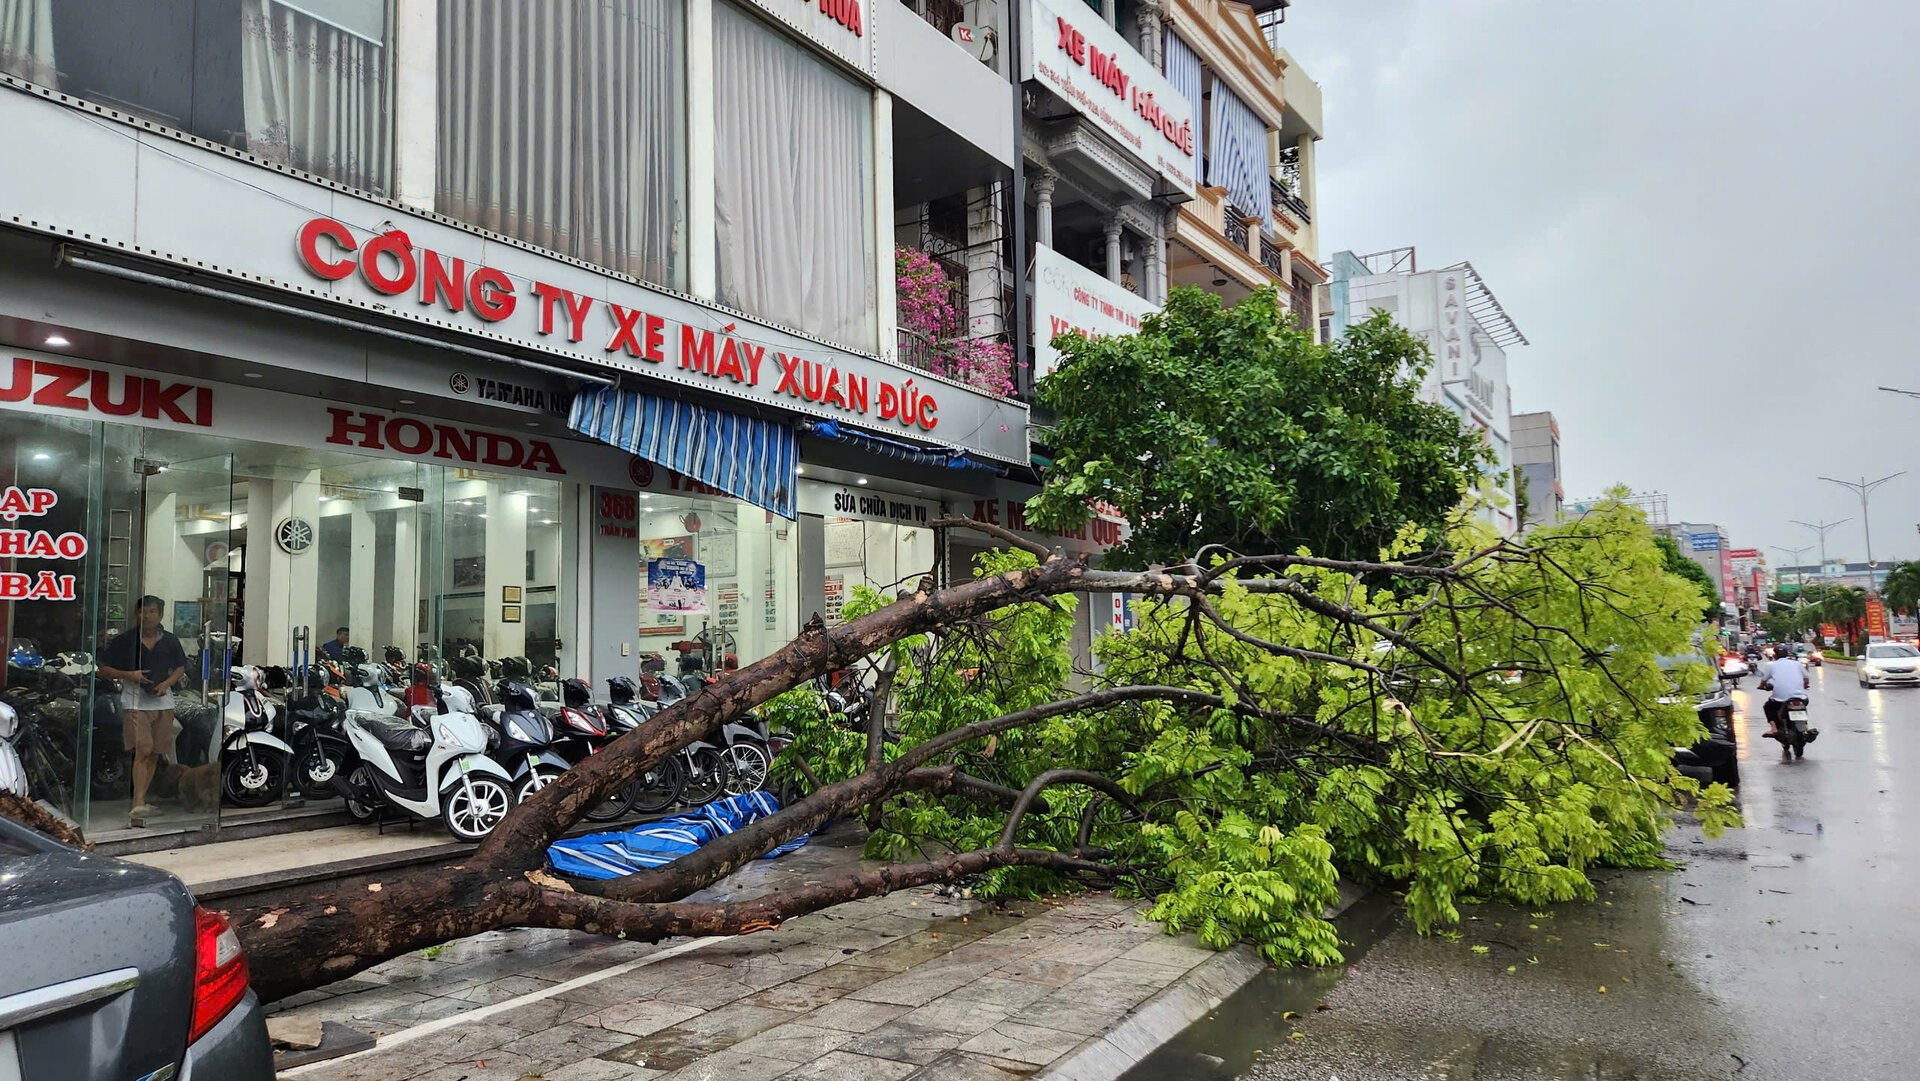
1798, 554
1821, 528
1864, 488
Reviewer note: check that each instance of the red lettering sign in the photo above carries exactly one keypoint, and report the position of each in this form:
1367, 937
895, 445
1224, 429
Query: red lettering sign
44, 585
377, 431
64, 385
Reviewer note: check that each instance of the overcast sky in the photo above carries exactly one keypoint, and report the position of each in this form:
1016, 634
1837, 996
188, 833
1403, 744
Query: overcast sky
1705, 215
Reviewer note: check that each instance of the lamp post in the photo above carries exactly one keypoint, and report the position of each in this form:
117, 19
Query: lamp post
1864, 488
1799, 579
1821, 528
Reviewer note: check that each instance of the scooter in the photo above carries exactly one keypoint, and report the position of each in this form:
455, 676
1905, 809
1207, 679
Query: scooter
253, 759
1793, 729
431, 764
525, 744
658, 788
583, 730
369, 693
704, 764
321, 750
13, 772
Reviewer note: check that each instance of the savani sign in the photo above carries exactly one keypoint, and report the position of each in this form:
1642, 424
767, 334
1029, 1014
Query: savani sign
1094, 70
1068, 296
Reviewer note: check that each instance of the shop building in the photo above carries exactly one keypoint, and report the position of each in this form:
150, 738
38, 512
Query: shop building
443, 321
1536, 457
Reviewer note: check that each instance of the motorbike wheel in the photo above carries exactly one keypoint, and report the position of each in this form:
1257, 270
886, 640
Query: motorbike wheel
252, 780
615, 806
706, 777
365, 802
110, 775
747, 764
658, 788
314, 766
473, 805
539, 778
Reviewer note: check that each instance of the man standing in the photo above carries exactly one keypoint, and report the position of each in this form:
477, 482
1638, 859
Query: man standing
151, 662
336, 650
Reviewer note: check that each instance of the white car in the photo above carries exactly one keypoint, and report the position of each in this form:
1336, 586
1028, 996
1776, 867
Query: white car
1733, 666
1889, 662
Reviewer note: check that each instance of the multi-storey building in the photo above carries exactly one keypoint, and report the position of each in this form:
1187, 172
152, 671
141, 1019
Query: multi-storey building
1464, 324
1536, 462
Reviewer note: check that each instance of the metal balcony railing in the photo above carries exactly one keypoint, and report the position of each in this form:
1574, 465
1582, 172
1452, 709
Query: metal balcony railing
1234, 227
1288, 203
1272, 258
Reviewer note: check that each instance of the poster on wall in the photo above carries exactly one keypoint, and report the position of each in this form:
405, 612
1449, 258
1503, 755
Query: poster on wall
469, 572
186, 619
771, 617
676, 585
726, 603
846, 543
720, 551
836, 599
666, 548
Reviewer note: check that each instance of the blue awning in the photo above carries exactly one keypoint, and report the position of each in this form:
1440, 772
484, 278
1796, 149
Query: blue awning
745, 457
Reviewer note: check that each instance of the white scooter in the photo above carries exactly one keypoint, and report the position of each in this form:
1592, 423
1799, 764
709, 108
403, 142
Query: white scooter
369, 691
253, 759
431, 764
13, 773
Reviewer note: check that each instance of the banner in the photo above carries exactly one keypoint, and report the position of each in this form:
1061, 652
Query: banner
1876, 619
676, 585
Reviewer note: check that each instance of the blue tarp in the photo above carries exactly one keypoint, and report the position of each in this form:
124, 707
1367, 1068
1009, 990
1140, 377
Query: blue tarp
622, 852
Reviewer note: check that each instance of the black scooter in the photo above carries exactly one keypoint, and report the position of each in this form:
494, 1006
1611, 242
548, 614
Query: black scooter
658, 788
1793, 728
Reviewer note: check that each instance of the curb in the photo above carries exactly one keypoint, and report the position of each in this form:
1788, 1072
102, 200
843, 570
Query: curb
1110, 1054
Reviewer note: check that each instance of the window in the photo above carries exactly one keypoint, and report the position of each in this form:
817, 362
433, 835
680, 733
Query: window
563, 123
793, 183
304, 84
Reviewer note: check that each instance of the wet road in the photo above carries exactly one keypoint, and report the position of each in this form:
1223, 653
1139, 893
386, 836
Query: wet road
1787, 950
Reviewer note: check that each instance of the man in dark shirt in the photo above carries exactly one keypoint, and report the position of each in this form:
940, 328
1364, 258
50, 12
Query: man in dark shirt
336, 648
151, 663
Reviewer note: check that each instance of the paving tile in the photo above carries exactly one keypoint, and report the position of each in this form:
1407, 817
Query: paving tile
1023, 1043
794, 995
1072, 1013
905, 953
731, 1066
545, 1013
905, 1041
1168, 950
853, 1015
428, 1008
501, 989
846, 976
795, 1043
1012, 994
642, 1018
564, 1044
500, 1066
957, 1015
1043, 971
599, 1069
962, 1066
709, 992
739, 1021
845, 1066
923, 983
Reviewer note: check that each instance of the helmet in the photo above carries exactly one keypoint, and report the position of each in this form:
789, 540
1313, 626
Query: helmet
514, 695
575, 692
356, 656
622, 689
394, 655
423, 672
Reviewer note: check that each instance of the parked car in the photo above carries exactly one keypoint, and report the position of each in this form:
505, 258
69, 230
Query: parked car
112, 972
1888, 662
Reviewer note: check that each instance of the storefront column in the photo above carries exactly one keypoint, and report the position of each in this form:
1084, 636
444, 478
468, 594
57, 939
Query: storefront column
400, 612
282, 588
885, 280
1112, 225
506, 560
361, 623
416, 105
1043, 181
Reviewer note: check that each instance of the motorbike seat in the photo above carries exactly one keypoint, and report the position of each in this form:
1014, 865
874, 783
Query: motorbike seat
396, 734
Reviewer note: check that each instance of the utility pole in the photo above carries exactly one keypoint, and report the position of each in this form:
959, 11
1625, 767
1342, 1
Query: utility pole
1798, 554
1821, 528
1864, 488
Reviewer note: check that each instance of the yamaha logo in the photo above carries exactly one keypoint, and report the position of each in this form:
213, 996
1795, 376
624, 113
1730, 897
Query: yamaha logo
293, 535
459, 382
640, 472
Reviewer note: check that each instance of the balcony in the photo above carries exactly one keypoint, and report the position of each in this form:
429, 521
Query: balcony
1274, 258
1233, 226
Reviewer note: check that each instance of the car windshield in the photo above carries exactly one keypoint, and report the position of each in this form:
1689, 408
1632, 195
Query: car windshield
1893, 650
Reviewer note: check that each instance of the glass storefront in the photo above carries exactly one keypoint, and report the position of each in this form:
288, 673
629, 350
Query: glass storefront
886, 556
257, 555
735, 603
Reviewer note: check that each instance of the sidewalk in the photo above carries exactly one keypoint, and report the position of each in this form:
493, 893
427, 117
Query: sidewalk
911, 985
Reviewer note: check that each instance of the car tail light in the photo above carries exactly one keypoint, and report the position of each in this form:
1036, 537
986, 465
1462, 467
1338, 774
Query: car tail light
219, 971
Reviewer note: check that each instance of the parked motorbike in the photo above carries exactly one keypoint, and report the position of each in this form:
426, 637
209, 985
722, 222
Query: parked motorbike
525, 744
704, 764
430, 764
13, 772
658, 788
583, 729
316, 715
369, 692
253, 758
1794, 730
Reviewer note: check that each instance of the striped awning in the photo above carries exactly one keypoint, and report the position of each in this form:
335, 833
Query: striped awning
745, 457
1182, 66
1237, 153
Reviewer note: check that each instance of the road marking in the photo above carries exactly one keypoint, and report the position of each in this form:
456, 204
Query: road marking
428, 1028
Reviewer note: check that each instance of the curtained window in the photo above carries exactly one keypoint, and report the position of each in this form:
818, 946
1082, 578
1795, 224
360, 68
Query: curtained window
563, 123
1237, 153
793, 184
304, 83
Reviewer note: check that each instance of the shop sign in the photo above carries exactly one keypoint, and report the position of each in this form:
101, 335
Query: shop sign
1876, 619
416, 438
1104, 531
509, 393
1122, 620
82, 388
1703, 542
1727, 592
1068, 296
838, 26
24, 543
616, 514
1068, 49
390, 265
842, 501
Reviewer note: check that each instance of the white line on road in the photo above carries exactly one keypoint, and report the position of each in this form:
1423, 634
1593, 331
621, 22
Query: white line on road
428, 1028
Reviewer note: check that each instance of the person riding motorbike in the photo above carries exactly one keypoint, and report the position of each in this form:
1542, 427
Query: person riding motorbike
1784, 679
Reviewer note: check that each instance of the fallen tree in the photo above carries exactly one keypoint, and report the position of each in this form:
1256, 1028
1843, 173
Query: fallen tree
1436, 711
